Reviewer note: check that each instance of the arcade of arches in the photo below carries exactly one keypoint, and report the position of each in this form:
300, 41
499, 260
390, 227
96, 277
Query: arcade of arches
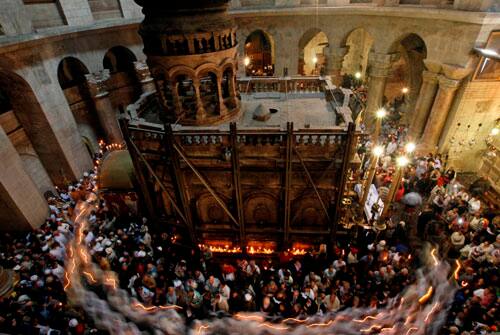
326, 141
57, 105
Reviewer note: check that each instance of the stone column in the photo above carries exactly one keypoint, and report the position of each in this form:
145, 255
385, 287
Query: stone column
105, 111
233, 91
334, 63
424, 102
23, 206
380, 68
144, 76
439, 113
176, 99
200, 110
222, 106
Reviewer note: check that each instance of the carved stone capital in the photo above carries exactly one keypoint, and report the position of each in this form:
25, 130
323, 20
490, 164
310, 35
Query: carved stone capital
381, 63
456, 72
337, 52
142, 71
430, 77
97, 83
448, 83
433, 66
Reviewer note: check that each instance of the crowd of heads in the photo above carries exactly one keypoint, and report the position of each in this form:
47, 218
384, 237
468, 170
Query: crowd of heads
368, 271
37, 303
451, 215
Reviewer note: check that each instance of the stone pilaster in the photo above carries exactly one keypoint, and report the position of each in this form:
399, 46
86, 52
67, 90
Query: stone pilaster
334, 63
23, 206
144, 76
424, 102
76, 12
439, 113
380, 68
105, 111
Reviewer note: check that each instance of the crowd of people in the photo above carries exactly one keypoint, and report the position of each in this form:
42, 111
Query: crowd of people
367, 272
451, 216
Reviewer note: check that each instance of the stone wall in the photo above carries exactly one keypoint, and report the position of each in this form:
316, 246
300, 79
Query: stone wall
449, 37
45, 15
29, 157
478, 103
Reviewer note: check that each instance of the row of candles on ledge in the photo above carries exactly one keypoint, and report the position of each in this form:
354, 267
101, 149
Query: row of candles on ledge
252, 250
110, 147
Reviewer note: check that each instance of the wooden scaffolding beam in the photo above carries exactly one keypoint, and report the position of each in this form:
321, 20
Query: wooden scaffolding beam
351, 134
238, 196
288, 181
171, 159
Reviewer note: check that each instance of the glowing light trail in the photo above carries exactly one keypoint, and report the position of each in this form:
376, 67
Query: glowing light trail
426, 296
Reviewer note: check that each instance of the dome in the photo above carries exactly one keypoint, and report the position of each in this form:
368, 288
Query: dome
117, 172
261, 113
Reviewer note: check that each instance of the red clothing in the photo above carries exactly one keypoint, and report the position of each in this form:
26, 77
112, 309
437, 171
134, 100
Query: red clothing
399, 194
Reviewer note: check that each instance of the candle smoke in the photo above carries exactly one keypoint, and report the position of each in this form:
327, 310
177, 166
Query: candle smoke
414, 311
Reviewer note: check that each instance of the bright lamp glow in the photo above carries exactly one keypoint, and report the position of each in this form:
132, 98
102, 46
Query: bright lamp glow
378, 150
405, 90
402, 161
489, 52
246, 61
495, 131
410, 147
315, 60
357, 75
381, 113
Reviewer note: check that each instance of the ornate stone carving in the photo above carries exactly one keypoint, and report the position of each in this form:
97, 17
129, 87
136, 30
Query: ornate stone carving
142, 71
447, 83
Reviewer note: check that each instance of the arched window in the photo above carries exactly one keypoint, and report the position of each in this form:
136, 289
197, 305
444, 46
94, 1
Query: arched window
119, 59
209, 93
71, 72
259, 57
187, 96
312, 59
359, 43
5, 105
403, 84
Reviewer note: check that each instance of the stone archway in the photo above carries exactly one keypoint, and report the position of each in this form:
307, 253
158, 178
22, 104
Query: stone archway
404, 83
312, 58
119, 59
259, 54
359, 43
71, 75
32, 118
123, 84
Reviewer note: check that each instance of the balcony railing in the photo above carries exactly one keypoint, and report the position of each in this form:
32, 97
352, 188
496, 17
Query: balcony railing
288, 85
465, 5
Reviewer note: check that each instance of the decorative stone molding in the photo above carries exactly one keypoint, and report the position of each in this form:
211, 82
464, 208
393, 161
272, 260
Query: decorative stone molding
97, 83
455, 72
447, 83
433, 66
430, 77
